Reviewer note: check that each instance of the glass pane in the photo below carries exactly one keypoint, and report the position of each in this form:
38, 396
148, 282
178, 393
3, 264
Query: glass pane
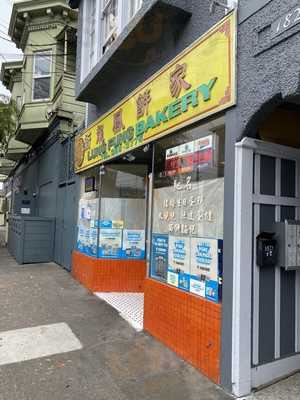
42, 64
110, 19
123, 212
88, 213
41, 89
187, 222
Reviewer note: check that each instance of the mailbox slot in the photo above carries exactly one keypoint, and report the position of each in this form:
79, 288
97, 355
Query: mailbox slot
266, 249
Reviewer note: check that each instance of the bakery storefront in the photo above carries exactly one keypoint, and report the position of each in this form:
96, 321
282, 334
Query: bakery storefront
150, 215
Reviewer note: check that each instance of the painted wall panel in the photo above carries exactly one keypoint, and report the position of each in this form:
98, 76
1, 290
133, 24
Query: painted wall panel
266, 296
287, 313
267, 175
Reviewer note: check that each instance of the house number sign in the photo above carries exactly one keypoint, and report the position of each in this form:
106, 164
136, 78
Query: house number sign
285, 22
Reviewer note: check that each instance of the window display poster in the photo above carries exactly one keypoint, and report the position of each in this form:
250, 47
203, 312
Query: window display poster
80, 238
212, 291
107, 223
206, 261
204, 156
179, 261
204, 258
159, 256
91, 248
197, 286
186, 160
172, 161
110, 243
133, 244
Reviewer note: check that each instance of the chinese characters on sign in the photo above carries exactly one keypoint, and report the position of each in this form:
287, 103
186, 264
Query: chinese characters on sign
118, 121
100, 134
177, 80
142, 103
183, 213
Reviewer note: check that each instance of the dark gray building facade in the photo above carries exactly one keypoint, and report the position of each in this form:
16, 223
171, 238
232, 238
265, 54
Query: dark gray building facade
260, 333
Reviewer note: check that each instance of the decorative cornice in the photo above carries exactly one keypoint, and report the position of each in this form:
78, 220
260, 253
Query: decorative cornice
24, 14
41, 27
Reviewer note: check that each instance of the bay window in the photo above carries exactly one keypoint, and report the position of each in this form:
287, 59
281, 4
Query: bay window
41, 84
103, 20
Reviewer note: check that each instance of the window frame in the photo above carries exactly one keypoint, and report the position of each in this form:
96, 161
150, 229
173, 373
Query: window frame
35, 76
118, 28
136, 8
92, 50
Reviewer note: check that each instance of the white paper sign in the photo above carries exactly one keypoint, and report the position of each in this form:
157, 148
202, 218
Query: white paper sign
179, 254
204, 258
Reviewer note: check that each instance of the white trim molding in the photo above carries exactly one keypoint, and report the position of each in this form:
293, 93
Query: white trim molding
269, 372
242, 270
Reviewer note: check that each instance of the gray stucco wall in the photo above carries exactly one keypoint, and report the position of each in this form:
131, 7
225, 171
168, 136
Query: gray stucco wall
268, 69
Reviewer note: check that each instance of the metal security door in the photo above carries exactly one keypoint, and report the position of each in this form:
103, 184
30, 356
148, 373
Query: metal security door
266, 301
69, 224
59, 226
66, 207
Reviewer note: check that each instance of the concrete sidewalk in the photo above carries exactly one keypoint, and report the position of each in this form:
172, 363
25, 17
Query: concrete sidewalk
114, 363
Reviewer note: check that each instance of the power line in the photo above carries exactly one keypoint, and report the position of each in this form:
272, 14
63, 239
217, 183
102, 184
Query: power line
4, 33
33, 55
8, 40
4, 26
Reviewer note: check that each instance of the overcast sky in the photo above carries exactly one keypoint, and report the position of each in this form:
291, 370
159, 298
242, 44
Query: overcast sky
8, 50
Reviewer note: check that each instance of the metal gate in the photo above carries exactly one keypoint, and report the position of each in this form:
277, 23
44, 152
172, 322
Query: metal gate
266, 301
66, 216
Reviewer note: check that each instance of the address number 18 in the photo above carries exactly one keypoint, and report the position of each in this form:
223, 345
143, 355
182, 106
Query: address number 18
286, 22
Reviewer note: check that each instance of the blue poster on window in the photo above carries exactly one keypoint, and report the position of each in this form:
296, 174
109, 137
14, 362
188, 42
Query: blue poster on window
206, 267
159, 256
212, 290
133, 244
91, 248
110, 243
105, 223
179, 262
80, 238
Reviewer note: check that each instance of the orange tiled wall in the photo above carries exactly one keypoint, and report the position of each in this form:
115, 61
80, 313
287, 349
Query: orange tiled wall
188, 324
99, 275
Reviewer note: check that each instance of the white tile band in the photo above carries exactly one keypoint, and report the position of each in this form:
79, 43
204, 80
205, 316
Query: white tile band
129, 305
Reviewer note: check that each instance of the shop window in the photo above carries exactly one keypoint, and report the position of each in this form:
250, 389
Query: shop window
123, 212
187, 214
114, 226
88, 215
103, 21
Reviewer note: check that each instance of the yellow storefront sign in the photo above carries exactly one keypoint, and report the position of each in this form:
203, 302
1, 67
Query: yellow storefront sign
197, 83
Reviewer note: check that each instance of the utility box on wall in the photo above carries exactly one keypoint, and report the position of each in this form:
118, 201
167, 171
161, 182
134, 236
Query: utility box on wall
31, 239
288, 237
